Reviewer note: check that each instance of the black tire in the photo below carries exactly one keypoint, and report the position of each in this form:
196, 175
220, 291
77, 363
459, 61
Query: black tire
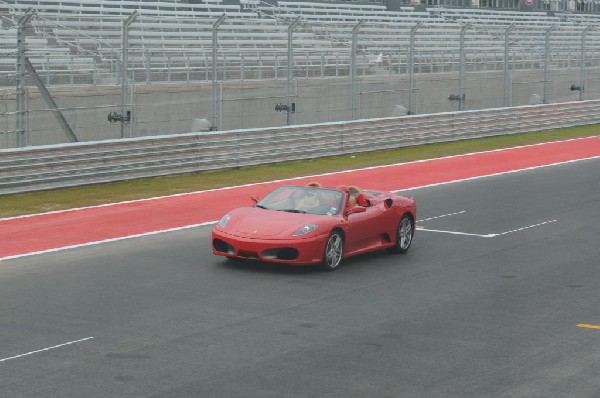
334, 250
404, 235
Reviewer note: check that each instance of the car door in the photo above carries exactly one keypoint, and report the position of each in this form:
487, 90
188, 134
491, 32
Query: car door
364, 230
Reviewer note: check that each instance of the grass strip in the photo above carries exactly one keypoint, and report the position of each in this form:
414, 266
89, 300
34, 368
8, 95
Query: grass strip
67, 198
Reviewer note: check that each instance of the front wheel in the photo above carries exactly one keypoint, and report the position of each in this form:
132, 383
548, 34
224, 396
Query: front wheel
404, 235
334, 248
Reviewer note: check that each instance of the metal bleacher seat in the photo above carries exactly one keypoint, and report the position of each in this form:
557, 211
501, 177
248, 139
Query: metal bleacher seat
173, 34
209, 8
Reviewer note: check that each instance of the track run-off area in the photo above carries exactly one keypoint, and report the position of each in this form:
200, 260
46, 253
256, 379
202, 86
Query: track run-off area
497, 297
71, 228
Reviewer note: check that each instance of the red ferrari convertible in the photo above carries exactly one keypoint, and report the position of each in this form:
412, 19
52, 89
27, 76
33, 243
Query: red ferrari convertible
315, 225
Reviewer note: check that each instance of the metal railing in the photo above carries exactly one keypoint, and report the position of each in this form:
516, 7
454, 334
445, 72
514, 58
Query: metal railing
66, 165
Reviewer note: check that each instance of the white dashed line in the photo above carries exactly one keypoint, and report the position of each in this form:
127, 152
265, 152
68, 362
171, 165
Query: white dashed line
530, 226
442, 216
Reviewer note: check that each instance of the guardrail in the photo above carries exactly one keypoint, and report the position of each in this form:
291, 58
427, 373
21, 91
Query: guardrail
66, 165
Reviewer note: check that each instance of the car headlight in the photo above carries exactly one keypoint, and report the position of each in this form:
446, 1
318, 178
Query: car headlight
308, 228
223, 222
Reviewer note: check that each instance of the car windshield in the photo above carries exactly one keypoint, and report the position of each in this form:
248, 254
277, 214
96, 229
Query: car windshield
309, 200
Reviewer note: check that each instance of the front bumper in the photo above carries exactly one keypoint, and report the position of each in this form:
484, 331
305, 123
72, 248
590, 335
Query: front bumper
299, 251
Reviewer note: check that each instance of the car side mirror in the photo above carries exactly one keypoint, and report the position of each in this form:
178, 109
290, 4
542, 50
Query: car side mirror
356, 209
254, 198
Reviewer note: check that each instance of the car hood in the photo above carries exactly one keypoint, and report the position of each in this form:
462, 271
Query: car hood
258, 222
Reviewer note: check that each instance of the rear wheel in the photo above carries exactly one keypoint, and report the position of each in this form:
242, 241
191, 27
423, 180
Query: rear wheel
404, 234
334, 249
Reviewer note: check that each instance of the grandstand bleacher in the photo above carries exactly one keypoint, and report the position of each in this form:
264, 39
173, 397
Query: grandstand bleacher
80, 40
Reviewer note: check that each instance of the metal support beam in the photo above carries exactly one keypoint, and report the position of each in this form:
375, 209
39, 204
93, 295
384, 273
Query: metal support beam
582, 72
547, 62
507, 101
50, 102
215, 99
411, 69
461, 79
353, 67
124, 65
290, 61
21, 77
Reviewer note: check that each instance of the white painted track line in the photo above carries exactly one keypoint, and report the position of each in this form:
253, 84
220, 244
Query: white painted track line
494, 174
106, 241
456, 233
45, 349
530, 226
443, 216
486, 235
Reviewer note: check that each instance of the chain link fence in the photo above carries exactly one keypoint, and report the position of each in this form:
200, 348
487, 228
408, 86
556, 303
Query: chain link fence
173, 81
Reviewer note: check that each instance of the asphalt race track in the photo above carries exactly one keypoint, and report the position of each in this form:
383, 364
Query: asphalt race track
498, 297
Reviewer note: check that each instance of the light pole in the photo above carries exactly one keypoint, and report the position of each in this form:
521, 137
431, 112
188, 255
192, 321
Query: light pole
126, 24
461, 73
290, 55
353, 66
547, 61
411, 67
215, 100
506, 75
21, 73
582, 63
